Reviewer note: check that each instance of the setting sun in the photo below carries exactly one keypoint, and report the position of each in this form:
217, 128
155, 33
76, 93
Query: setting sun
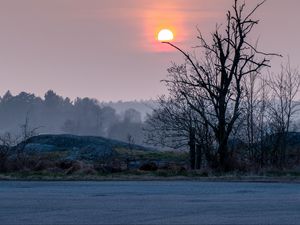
165, 35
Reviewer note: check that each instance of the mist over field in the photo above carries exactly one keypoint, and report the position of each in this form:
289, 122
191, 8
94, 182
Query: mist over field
54, 114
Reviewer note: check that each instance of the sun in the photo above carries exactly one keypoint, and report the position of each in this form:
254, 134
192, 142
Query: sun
165, 35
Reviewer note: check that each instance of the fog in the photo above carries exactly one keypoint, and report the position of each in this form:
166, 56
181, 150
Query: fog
83, 116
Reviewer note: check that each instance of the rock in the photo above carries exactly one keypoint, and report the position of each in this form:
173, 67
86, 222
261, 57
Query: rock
74, 147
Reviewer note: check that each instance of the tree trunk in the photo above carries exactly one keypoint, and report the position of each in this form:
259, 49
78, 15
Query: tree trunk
224, 155
198, 157
192, 144
222, 139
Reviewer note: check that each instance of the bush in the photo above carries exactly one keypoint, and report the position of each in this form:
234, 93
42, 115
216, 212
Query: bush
150, 166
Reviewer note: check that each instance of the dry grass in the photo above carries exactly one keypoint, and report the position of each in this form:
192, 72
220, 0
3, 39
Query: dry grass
137, 175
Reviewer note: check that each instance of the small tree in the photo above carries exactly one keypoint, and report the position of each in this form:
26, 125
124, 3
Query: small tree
263, 122
251, 102
131, 143
169, 124
283, 106
174, 124
26, 132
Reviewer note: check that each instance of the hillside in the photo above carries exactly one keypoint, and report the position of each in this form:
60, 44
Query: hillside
75, 147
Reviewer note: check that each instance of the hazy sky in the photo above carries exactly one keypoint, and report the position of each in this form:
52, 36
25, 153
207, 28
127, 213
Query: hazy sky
106, 49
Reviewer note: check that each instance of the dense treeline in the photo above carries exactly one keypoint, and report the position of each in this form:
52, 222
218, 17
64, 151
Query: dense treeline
55, 114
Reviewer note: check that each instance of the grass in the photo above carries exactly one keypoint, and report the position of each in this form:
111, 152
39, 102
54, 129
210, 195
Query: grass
282, 173
138, 175
161, 174
153, 155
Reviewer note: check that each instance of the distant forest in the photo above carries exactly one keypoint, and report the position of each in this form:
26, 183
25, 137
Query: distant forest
84, 116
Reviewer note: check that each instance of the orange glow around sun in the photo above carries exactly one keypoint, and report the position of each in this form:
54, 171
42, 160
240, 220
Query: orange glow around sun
164, 22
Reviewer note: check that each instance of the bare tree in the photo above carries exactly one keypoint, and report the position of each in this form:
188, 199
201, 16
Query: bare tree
251, 106
283, 106
174, 124
263, 121
26, 132
170, 124
130, 141
213, 86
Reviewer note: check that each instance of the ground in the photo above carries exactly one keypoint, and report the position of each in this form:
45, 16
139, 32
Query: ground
148, 202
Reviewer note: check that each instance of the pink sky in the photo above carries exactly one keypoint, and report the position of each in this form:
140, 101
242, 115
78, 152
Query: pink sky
106, 49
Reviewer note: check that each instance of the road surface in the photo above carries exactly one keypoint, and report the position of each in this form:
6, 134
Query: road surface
149, 202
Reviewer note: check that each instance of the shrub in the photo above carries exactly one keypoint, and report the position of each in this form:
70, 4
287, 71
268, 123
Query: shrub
150, 166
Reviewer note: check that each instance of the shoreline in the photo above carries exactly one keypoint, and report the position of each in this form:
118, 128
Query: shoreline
229, 179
